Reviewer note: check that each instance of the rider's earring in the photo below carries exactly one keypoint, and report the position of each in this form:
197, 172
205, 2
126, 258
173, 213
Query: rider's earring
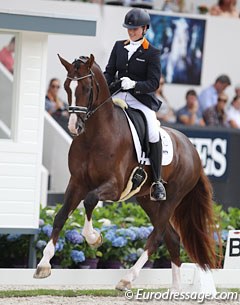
144, 31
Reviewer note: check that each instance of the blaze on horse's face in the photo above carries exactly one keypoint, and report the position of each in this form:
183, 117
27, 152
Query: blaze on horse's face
78, 86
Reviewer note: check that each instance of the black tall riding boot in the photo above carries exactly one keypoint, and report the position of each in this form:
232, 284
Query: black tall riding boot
157, 191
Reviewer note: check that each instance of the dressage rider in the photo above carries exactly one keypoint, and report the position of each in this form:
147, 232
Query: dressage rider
135, 63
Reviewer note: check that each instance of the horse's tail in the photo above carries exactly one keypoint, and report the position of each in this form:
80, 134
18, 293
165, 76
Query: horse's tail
194, 220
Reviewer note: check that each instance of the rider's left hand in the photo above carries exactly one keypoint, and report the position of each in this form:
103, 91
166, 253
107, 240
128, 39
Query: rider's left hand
127, 83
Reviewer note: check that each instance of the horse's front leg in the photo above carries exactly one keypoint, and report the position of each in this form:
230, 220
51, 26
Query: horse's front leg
92, 236
106, 191
73, 196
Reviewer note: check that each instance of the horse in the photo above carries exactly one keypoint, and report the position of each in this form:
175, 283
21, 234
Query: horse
101, 159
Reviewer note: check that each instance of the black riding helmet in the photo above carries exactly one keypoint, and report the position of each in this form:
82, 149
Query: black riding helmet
135, 18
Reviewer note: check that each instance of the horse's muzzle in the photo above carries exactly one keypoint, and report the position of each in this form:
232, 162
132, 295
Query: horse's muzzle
76, 124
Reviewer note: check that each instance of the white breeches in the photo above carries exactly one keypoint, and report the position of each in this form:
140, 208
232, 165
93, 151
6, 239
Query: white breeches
153, 124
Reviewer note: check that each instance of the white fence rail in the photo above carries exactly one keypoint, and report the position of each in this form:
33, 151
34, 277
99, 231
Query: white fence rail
99, 278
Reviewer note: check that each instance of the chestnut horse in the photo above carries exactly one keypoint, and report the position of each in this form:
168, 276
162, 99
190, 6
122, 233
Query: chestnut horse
101, 159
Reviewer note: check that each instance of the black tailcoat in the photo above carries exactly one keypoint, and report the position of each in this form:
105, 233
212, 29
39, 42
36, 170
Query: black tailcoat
143, 67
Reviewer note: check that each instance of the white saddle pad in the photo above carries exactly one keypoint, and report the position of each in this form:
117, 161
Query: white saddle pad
167, 146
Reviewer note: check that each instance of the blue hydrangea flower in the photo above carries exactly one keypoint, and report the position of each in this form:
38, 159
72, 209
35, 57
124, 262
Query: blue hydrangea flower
127, 233
120, 231
13, 237
109, 228
41, 244
132, 257
150, 229
136, 231
110, 235
77, 256
131, 234
143, 233
47, 229
119, 242
59, 245
74, 237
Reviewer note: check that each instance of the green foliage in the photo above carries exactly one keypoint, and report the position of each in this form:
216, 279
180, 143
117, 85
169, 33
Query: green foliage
14, 250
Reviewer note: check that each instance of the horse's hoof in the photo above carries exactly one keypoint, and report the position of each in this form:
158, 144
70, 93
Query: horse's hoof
97, 243
42, 272
123, 285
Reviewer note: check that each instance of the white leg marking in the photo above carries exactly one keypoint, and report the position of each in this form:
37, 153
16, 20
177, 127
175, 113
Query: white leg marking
134, 271
176, 278
89, 233
48, 253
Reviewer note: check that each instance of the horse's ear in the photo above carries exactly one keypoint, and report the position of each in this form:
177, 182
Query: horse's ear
65, 63
90, 61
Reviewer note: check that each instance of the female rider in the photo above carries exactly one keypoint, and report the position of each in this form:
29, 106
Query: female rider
136, 63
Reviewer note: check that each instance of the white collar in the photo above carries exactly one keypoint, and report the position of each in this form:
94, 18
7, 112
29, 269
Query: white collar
136, 43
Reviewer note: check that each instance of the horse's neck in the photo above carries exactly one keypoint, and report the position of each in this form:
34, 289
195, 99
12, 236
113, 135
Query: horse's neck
103, 118
104, 100
99, 125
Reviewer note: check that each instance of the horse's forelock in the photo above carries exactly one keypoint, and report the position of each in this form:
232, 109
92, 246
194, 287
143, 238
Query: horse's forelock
76, 64
78, 61
82, 60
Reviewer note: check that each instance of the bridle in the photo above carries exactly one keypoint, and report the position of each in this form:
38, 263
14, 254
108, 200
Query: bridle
89, 110
81, 109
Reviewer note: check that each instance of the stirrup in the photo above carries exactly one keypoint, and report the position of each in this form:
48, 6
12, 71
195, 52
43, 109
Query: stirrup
161, 195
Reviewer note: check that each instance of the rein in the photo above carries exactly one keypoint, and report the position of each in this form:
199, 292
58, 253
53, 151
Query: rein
103, 103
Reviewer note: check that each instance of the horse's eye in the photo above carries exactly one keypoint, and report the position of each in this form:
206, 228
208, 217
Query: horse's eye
86, 89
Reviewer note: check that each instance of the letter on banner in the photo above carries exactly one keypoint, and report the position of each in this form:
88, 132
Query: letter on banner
232, 255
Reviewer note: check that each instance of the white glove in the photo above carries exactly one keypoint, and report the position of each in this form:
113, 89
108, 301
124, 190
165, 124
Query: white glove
127, 83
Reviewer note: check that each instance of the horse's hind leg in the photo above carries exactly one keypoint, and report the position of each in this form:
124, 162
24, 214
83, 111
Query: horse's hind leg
73, 196
172, 241
159, 214
153, 210
132, 274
